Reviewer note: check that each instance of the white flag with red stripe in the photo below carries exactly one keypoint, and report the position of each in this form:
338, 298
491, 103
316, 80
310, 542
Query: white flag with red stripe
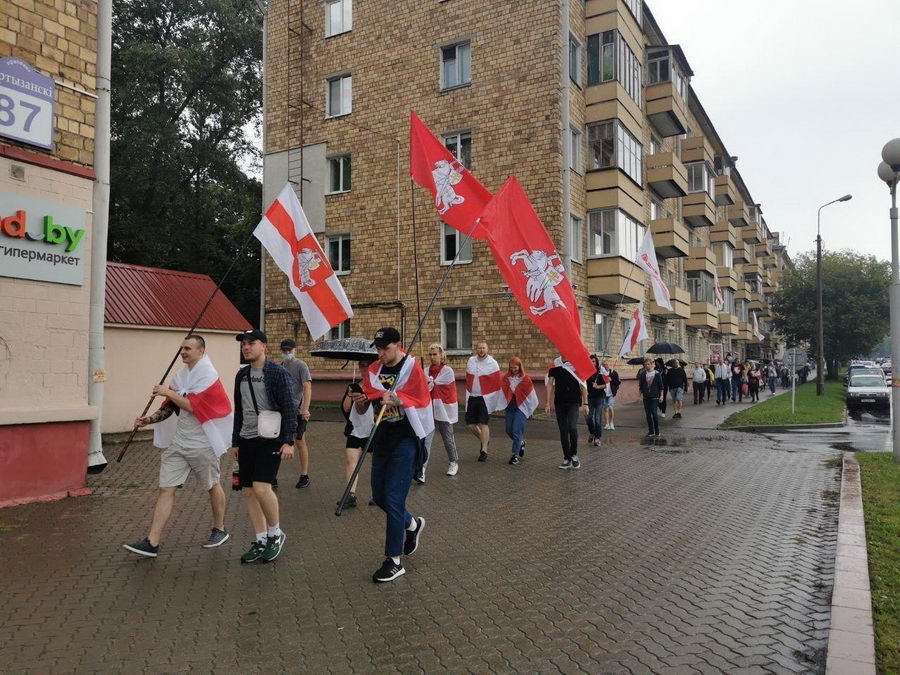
483, 379
287, 236
757, 333
646, 260
442, 382
526, 396
411, 388
720, 296
637, 331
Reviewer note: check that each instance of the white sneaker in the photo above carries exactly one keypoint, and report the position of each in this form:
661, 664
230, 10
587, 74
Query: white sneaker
612, 427
662, 414
606, 426
452, 469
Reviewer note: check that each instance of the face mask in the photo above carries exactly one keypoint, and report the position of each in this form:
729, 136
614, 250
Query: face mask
287, 357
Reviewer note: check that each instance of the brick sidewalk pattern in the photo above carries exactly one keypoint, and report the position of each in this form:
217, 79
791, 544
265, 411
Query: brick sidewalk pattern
713, 552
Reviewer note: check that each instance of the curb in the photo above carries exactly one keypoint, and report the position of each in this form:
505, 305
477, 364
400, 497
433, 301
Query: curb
776, 428
851, 638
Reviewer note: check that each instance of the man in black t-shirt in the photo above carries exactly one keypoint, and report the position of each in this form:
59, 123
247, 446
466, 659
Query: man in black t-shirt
567, 394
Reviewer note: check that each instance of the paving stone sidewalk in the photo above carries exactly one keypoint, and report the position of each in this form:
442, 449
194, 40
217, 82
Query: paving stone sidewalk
712, 552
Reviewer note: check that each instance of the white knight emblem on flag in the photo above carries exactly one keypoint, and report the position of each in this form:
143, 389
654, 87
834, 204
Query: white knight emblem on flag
308, 260
543, 276
446, 175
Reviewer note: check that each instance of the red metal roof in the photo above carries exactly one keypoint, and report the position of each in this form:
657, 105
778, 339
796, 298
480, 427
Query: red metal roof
148, 296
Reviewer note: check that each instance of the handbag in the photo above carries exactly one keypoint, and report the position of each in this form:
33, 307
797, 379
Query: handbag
268, 422
745, 389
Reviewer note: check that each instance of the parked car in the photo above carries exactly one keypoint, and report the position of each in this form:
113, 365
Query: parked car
857, 369
867, 390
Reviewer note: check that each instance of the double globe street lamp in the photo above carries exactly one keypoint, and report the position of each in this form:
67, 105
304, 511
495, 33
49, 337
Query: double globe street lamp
820, 327
889, 172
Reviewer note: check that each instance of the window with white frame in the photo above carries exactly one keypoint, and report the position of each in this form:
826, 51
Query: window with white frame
700, 178
339, 95
741, 308
341, 331
662, 67
657, 210
701, 286
658, 334
338, 16
456, 65
692, 345
456, 329
729, 300
339, 175
603, 326
610, 58
614, 232
575, 238
656, 145
575, 161
459, 144
724, 254
612, 145
635, 6
339, 252
574, 60
453, 241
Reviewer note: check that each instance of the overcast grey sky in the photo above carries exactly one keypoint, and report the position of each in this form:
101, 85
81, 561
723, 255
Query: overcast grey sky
805, 93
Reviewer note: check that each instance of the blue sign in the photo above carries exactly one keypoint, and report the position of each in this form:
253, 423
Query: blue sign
26, 103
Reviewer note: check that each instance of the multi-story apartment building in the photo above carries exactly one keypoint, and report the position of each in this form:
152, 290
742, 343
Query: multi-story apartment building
584, 101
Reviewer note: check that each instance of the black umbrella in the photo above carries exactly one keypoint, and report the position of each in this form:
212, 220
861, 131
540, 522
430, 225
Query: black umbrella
674, 363
637, 361
345, 349
666, 348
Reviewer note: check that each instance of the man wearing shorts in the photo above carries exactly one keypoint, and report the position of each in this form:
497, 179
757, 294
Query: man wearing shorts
190, 450
262, 386
303, 392
482, 392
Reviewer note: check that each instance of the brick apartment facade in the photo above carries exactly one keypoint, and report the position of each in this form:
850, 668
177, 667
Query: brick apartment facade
584, 102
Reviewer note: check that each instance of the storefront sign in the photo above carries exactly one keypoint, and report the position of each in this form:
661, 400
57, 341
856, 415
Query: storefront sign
42, 240
26, 103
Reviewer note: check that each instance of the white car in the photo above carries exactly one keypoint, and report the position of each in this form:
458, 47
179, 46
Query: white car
867, 390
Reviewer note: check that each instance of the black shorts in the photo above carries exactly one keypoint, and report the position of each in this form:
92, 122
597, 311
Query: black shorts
354, 442
258, 460
476, 410
301, 427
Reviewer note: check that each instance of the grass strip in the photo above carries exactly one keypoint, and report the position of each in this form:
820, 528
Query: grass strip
810, 409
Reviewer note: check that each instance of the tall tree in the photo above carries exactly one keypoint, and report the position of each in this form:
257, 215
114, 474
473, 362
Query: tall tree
186, 90
854, 301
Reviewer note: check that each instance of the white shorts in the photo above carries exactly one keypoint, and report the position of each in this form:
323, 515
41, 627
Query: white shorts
177, 463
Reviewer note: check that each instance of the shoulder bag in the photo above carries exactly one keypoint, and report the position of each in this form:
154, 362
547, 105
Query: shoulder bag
268, 422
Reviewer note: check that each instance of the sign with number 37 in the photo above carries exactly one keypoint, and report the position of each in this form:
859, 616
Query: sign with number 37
26, 103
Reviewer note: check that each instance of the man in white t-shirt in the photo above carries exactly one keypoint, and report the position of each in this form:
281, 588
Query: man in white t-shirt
482, 392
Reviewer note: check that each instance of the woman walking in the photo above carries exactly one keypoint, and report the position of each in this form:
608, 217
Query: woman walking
609, 403
676, 382
661, 369
356, 430
753, 379
737, 379
442, 383
521, 402
596, 386
772, 377
650, 384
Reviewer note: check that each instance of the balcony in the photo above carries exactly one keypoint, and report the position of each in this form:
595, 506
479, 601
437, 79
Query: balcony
742, 292
670, 238
740, 252
728, 278
698, 209
768, 261
680, 301
608, 279
723, 231
737, 214
750, 234
770, 287
756, 302
696, 149
607, 188
725, 191
745, 331
728, 324
666, 110
701, 259
666, 175
703, 315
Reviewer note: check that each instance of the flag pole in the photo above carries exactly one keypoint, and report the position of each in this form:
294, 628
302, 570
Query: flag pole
191, 330
622, 302
412, 187
409, 348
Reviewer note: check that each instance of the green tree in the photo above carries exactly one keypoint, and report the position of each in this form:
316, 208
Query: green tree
854, 304
186, 89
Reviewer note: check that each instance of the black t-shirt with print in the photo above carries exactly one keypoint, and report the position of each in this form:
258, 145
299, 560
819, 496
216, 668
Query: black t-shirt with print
394, 425
566, 388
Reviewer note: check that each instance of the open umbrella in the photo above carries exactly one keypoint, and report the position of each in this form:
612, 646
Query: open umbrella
637, 361
666, 348
345, 349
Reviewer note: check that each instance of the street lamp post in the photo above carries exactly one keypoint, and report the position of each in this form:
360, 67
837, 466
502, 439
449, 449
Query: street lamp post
889, 172
820, 328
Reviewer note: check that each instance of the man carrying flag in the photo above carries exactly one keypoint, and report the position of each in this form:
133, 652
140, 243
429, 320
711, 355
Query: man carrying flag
646, 260
397, 387
637, 331
193, 441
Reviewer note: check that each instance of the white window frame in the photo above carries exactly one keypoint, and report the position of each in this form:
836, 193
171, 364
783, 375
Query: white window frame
576, 141
342, 188
576, 239
575, 51
341, 331
707, 178
626, 238
627, 151
724, 254
461, 346
603, 330
459, 137
340, 238
464, 78
346, 17
463, 259
345, 81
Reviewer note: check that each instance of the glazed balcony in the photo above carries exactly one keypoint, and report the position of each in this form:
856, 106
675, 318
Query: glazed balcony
737, 214
703, 315
726, 193
681, 305
608, 279
666, 175
728, 324
696, 149
728, 278
666, 110
701, 259
723, 231
698, 209
670, 237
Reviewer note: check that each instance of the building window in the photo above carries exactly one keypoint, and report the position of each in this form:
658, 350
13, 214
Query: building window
657, 210
574, 60
742, 313
339, 95
341, 331
603, 325
635, 6
456, 329
662, 67
614, 232
453, 240
460, 146
610, 58
338, 16
702, 287
575, 238
339, 253
700, 178
612, 145
724, 254
656, 146
456, 65
575, 161
729, 300
339, 174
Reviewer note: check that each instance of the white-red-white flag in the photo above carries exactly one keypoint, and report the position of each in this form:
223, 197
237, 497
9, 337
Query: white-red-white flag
410, 386
720, 296
756, 331
524, 394
637, 331
646, 260
287, 236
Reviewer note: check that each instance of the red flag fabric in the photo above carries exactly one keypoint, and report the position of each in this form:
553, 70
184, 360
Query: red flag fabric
458, 196
528, 261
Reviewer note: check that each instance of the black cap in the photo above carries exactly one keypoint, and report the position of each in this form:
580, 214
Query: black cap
288, 344
385, 336
253, 334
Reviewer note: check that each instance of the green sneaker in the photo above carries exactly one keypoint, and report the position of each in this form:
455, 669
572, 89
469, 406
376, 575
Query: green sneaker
273, 547
255, 552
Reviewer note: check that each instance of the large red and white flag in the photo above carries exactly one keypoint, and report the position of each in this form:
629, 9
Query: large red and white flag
524, 393
483, 379
720, 296
528, 261
287, 236
458, 196
646, 260
637, 331
209, 402
411, 388
442, 382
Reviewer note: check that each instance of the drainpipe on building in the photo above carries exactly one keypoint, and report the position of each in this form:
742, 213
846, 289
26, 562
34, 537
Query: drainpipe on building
264, 10
566, 149
99, 231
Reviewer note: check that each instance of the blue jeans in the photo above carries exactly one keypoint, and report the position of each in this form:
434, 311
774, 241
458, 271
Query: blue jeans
595, 416
736, 392
772, 382
515, 427
723, 390
392, 473
651, 409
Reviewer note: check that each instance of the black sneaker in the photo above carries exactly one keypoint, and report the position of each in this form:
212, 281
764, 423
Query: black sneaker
372, 502
522, 450
388, 571
576, 464
482, 456
143, 547
303, 482
412, 538
514, 460
350, 503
